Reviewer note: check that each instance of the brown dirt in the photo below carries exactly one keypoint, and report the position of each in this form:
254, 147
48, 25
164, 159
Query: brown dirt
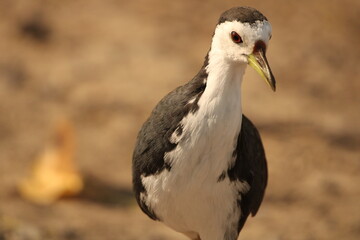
104, 64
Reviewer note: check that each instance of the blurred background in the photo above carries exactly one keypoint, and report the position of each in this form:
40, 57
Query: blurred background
78, 78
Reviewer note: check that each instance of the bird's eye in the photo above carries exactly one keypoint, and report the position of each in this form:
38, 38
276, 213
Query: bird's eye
236, 37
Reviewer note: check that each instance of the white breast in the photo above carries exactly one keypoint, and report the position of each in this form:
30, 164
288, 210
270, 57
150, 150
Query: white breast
189, 198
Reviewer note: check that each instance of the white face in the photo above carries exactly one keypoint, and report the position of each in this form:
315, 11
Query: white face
237, 51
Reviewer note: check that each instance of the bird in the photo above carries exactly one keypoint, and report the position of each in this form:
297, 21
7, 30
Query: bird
199, 165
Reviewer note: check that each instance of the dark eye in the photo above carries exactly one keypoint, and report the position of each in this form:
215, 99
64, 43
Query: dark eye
236, 37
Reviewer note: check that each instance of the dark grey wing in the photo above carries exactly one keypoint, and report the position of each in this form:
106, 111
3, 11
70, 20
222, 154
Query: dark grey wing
250, 166
153, 139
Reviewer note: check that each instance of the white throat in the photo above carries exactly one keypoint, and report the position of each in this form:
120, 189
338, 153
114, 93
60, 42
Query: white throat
223, 76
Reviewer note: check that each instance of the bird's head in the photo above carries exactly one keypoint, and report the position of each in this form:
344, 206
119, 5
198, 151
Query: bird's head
241, 37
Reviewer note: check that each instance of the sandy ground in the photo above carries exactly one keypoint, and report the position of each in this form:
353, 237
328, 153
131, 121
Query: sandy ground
103, 65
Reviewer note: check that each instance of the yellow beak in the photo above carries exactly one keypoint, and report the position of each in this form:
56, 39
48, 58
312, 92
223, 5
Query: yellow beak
258, 61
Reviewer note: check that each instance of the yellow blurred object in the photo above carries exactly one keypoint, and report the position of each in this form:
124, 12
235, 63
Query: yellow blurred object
54, 173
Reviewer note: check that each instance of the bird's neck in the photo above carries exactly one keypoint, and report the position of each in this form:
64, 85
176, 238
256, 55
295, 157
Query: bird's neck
224, 79
215, 126
220, 104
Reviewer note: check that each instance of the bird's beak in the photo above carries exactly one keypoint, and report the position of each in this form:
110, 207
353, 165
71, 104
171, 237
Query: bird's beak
258, 61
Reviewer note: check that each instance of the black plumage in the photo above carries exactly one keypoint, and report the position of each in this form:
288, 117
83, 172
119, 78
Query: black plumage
242, 14
250, 166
